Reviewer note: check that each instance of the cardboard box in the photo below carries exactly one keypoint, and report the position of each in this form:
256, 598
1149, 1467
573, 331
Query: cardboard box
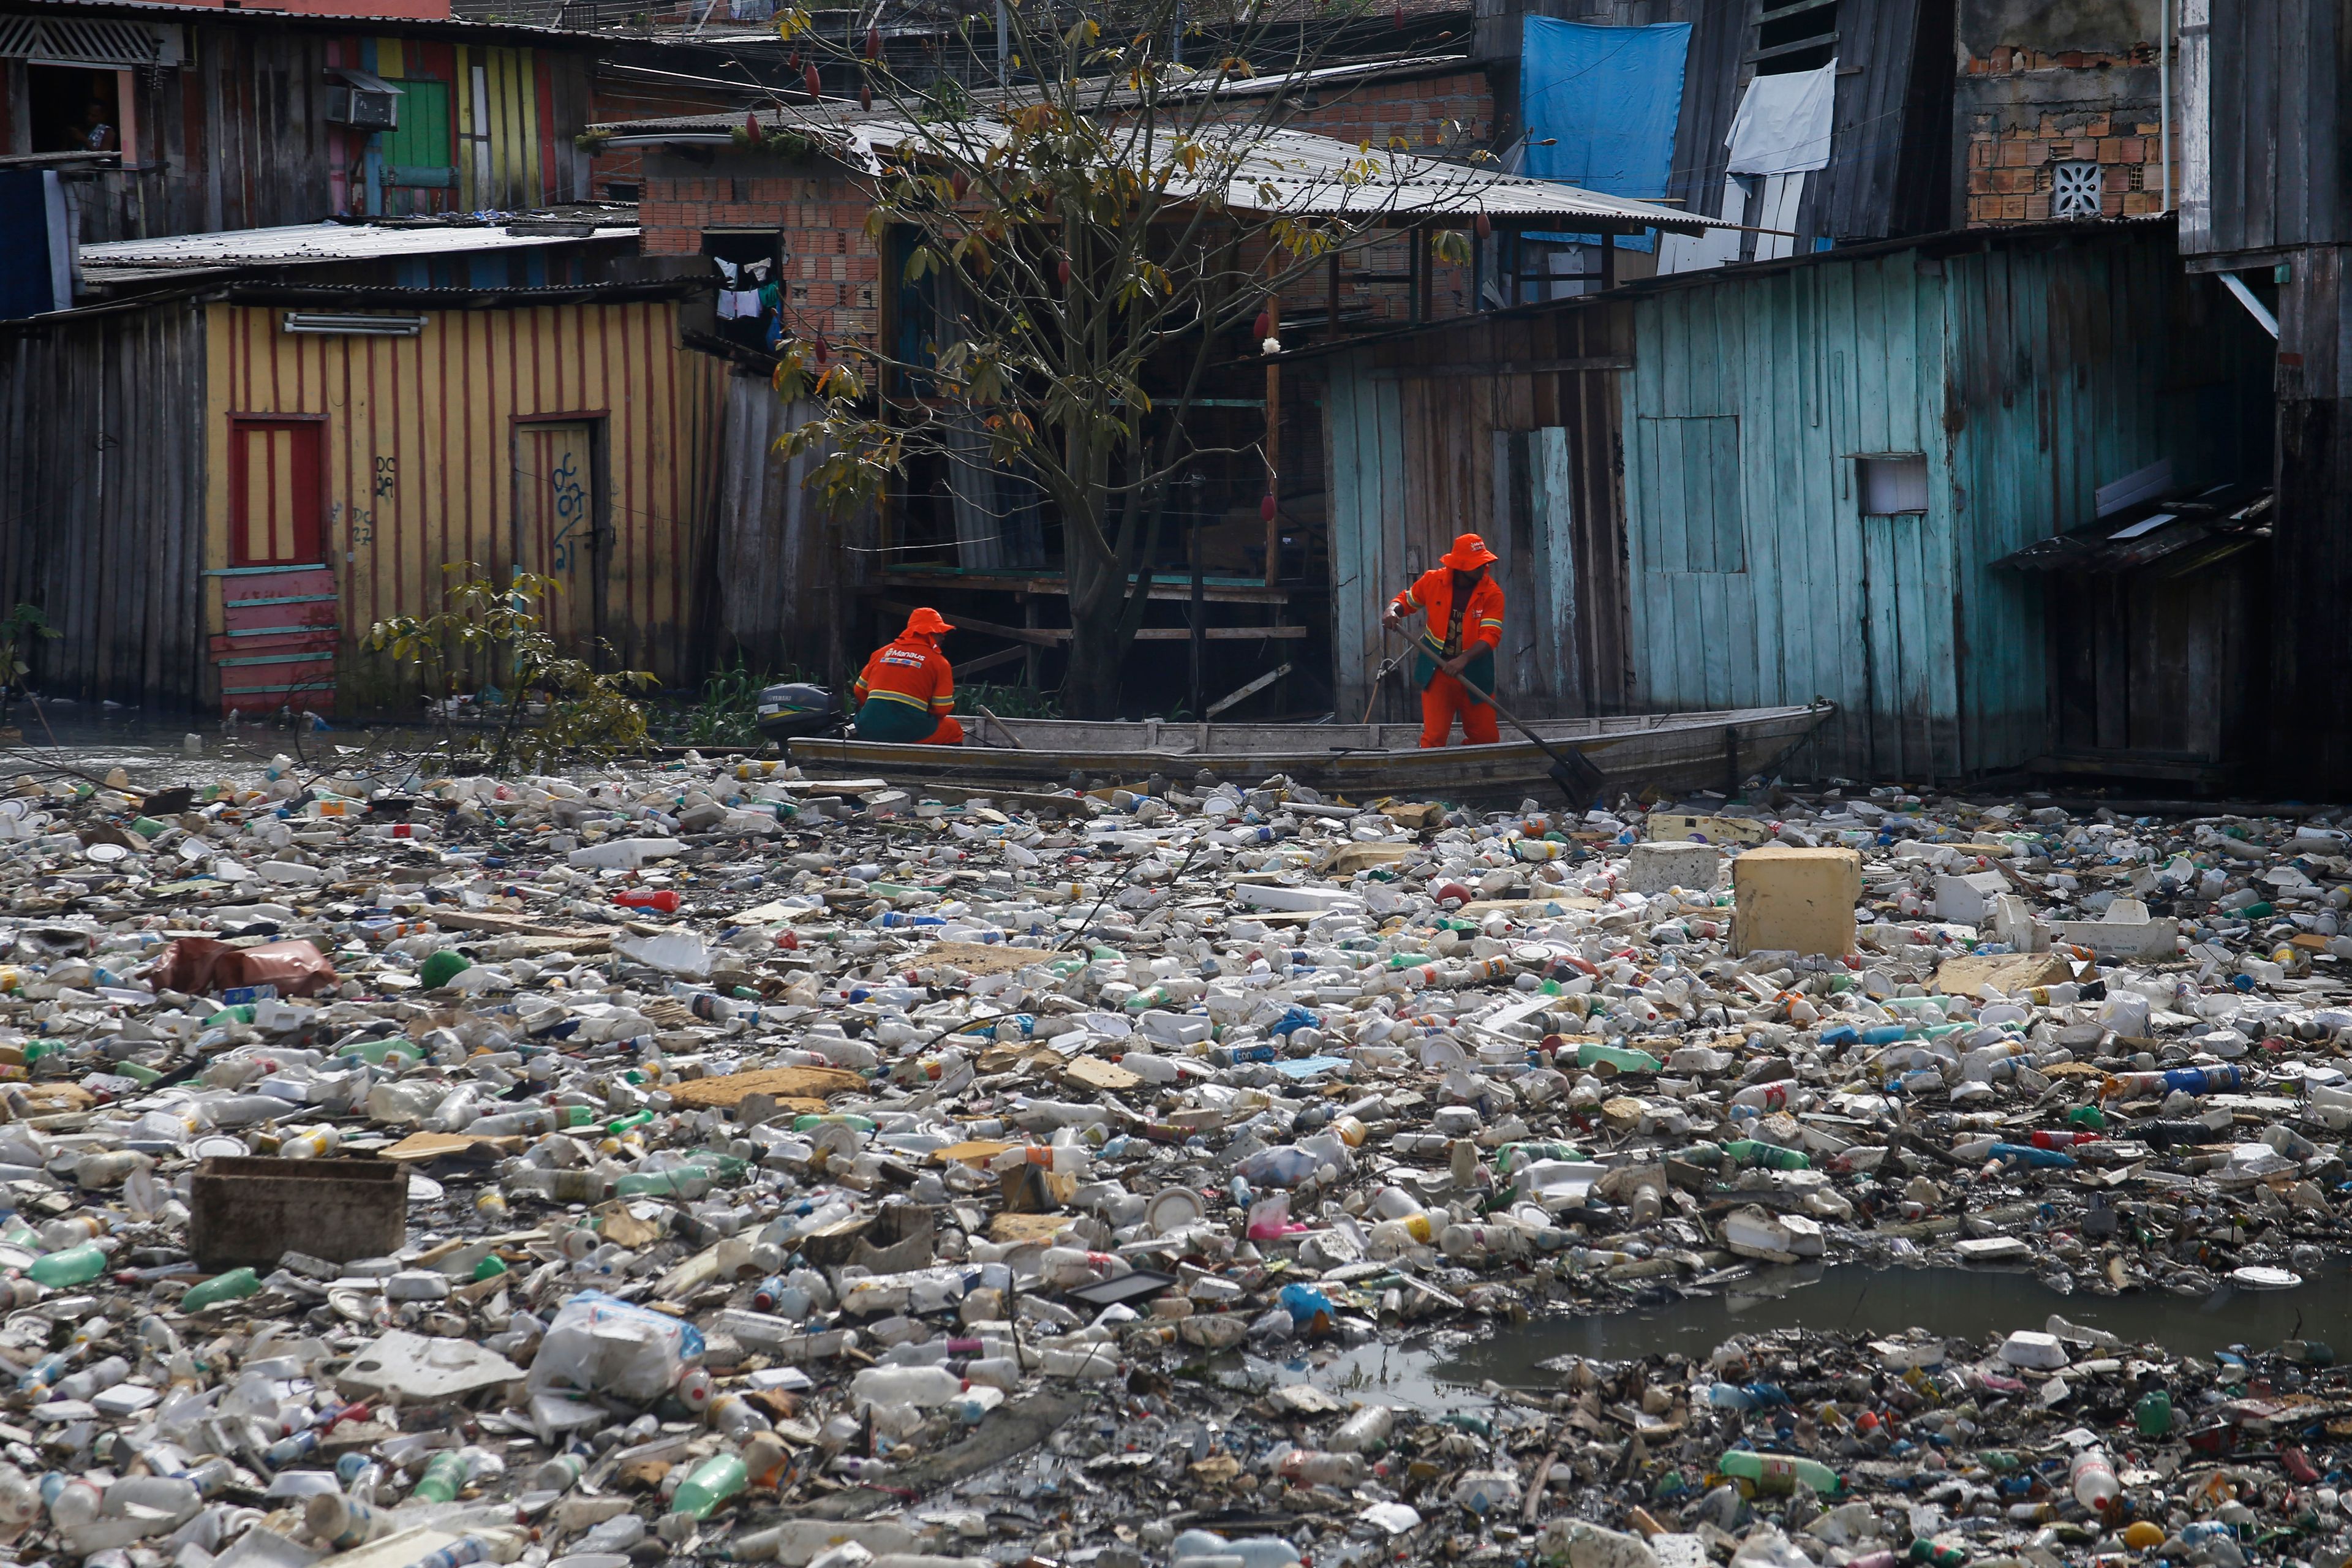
1785, 899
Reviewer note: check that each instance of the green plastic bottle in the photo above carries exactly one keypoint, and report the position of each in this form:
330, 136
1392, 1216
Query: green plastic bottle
2154, 1413
680, 1180
712, 1483
1779, 1473
74, 1266
441, 967
233, 1286
1592, 1054
444, 1478
1766, 1156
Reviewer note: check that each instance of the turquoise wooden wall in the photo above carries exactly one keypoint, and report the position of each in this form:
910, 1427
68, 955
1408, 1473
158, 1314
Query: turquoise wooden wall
2028, 372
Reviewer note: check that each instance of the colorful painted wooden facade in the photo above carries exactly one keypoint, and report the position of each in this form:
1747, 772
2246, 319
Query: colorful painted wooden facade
232, 118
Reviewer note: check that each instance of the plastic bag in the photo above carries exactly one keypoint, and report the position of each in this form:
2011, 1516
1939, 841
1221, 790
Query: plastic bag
599, 1346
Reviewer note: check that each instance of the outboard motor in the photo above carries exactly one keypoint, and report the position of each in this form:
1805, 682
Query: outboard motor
797, 710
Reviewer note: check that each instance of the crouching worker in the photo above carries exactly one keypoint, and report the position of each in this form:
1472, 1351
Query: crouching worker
908, 688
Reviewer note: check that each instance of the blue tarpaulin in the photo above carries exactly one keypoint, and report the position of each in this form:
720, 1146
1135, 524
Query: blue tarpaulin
1607, 100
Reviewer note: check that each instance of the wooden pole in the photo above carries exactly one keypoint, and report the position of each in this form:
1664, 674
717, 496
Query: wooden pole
1274, 435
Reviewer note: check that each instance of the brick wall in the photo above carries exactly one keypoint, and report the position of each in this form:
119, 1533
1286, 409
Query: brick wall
1453, 112
610, 101
831, 268
2026, 113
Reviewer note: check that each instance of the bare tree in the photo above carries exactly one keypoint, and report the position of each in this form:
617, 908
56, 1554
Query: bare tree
1101, 229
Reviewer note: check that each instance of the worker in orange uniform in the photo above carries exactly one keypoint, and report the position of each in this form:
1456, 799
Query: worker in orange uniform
1462, 607
907, 690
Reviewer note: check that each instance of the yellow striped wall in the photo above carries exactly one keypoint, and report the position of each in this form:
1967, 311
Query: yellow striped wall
420, 456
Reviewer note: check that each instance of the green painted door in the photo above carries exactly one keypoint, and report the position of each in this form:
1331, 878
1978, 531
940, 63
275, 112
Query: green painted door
420, 154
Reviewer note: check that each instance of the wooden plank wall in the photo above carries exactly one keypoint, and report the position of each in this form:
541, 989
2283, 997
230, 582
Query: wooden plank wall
2274, 76
2027, 375
100, 500
2311, 568
1889, 172
421, 456
783, 579
1411, 453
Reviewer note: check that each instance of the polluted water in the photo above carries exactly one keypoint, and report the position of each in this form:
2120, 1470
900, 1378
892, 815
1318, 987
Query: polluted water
691, 1158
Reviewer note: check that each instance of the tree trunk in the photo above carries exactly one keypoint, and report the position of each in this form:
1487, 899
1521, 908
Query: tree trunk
1097, 648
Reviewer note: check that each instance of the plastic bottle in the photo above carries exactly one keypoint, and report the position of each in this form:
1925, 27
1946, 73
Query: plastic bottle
2153, 1413
75, 1503
712, 1482
233, 1286
924, 1387
665, 900
456, 1554
1616, 1059
445, 1477
1252, 1551
559, 1473
343, 1522
1320, 1467
91, 1379
2093, 1480
1365, 1432
1766, 1156
74, 1266
1776, 1473
590, 1186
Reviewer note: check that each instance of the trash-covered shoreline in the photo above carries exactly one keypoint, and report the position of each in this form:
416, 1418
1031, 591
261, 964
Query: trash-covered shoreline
695, 1159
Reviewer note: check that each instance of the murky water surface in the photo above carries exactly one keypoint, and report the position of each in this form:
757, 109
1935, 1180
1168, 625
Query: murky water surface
1959, 1303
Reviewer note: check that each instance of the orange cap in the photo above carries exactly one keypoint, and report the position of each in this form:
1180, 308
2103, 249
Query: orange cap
927, 622
1469, 553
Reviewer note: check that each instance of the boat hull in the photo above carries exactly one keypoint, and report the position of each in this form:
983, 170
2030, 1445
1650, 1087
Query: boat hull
1666, 752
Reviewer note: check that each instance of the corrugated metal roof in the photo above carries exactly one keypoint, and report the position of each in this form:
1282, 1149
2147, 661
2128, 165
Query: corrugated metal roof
1283, 171
312, 242
357, 16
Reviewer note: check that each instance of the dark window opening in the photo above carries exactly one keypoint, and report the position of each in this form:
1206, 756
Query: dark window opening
1794, 36
751, 284
74, 109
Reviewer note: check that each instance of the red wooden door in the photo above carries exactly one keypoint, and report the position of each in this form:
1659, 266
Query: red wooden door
279, 626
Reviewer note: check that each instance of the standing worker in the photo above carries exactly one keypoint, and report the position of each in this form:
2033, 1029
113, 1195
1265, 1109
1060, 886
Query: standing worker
1464, 607
907, 690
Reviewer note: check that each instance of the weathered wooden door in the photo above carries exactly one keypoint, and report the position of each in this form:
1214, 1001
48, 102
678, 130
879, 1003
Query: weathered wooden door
1535, 530
562, 528
276, 646
1910, 613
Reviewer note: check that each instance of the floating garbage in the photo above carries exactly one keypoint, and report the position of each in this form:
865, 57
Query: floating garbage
694, 1158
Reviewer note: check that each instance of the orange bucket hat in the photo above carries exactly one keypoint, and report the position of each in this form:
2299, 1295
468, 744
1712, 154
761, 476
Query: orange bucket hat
927, 622
1469, 553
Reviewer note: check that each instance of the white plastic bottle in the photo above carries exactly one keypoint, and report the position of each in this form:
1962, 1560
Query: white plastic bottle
2092, 1478
1365, 1432
924, 1387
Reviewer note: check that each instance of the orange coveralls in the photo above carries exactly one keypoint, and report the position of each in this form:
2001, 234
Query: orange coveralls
906, 693
1476, 622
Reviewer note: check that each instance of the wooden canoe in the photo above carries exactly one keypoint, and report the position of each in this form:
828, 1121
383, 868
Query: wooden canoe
1636, 752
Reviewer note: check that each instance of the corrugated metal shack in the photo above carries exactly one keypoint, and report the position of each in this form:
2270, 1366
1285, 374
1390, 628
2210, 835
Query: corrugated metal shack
218, 484
1786, 480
